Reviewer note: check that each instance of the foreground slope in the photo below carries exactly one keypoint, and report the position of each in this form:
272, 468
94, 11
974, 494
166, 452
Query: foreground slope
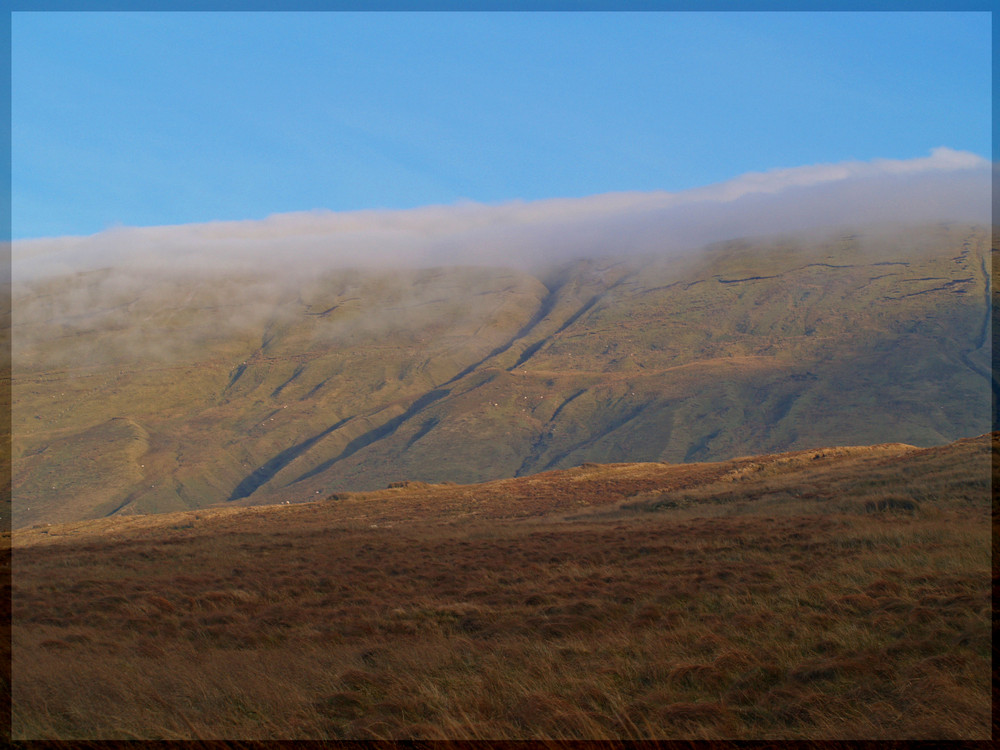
149, 394
840, 593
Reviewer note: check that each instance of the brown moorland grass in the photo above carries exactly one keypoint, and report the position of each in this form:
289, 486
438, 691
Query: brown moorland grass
705, 601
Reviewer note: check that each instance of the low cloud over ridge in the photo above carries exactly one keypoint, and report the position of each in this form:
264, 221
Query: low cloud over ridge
947, 185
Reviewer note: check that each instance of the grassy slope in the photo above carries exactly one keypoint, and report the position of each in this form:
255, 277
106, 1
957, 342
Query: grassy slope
842, 593
242, 388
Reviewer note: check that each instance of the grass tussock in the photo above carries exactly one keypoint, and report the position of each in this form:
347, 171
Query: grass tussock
335, 621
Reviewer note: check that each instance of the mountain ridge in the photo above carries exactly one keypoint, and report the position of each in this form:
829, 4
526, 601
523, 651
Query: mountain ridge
357, 378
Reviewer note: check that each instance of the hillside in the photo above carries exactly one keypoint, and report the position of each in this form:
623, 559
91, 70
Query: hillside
838, 593
136, 392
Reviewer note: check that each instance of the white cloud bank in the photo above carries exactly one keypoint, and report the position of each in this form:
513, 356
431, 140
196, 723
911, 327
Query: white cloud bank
947, 185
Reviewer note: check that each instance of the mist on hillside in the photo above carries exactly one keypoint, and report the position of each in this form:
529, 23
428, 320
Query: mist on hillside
946, 186
239, 278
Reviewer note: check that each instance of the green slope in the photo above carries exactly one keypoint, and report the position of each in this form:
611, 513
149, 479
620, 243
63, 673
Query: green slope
156, 393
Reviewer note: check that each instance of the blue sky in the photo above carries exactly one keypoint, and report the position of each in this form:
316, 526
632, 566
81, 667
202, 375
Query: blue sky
144, 119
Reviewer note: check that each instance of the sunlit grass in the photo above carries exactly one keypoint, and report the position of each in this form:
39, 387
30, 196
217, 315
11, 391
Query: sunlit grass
305, 622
